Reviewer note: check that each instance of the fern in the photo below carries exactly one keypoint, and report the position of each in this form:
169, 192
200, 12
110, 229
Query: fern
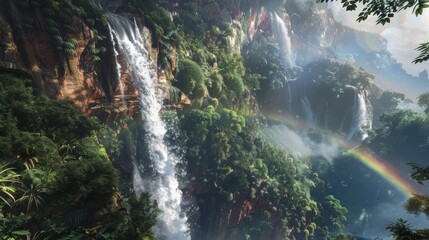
51, 22
23, 4
70, 52
73, 43
68, 45
58, 40
175, 94
54, 31
48, 12
424, 53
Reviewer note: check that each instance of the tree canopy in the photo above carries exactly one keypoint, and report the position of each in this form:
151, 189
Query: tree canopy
56, 179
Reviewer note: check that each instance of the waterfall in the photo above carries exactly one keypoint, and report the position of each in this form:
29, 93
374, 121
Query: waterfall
281, 31
163, 184
308, 112
288, 97
118, 66
360, 117
326, 116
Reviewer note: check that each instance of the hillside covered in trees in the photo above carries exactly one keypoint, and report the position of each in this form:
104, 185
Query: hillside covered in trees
213, 119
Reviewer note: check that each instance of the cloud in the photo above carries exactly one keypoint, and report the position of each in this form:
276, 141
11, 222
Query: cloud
299, 143
404, 33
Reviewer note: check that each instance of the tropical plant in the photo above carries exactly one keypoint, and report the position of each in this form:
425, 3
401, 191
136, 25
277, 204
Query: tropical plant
55, 174
10, 226
32, 189
8, 181
189, 77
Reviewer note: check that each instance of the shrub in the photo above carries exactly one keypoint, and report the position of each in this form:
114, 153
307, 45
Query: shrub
189, 76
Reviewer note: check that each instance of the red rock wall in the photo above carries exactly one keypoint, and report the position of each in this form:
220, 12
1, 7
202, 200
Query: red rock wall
77, 78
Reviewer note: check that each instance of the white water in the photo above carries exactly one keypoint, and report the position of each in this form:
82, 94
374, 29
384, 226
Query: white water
281, 31
118, 66
288, 97
360, 118
326, 116
163, 185
308, 112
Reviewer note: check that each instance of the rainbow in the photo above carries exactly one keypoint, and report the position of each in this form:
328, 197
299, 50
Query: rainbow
384, 169
392, 175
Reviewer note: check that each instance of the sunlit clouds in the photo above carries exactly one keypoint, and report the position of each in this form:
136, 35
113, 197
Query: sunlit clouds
403, 34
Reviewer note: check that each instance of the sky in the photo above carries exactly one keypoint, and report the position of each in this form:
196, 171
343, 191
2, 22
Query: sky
403, 34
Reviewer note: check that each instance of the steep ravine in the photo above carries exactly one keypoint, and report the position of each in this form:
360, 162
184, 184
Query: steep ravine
97, 77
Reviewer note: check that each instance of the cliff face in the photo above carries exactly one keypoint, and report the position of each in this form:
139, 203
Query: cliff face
91, 82
87, 73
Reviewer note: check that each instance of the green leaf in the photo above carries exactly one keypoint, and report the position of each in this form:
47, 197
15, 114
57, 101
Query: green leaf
21, 232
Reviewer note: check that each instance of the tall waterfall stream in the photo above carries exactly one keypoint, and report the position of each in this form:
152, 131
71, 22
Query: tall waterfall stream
163, 184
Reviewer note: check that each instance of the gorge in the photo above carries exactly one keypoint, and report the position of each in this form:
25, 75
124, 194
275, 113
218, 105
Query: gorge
146, 119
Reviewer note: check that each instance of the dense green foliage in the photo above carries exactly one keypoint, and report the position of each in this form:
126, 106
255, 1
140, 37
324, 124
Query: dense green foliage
423, 102
233, 163
227, 163
63, 181
336, 75
190, 78
59, 20
263, 61
403, 136
208, 68
387, 102
56, 180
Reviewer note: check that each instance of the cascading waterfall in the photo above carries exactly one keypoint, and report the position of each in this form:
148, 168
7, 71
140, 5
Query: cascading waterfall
308, 112
326, 116
360, 117
281, 31
163, 185
288, 97
118, 66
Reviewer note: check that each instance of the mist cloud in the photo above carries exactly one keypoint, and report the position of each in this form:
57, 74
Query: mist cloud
297, 142
404, 33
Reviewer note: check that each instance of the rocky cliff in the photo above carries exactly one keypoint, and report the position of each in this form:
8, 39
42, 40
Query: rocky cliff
76, 64
70, 53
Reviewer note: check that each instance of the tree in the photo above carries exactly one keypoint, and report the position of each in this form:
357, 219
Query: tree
56, 177
401, 229
331, 219
384, 11
189, 77
386, 103
424, 102
417, 204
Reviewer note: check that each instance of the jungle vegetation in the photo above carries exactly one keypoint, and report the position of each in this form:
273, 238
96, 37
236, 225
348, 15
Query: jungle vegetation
59, 176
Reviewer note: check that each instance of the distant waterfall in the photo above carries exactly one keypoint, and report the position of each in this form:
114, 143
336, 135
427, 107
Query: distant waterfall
360, 117
288, 97
308, 112
118, 66
163, 185
326, 116
281, 31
